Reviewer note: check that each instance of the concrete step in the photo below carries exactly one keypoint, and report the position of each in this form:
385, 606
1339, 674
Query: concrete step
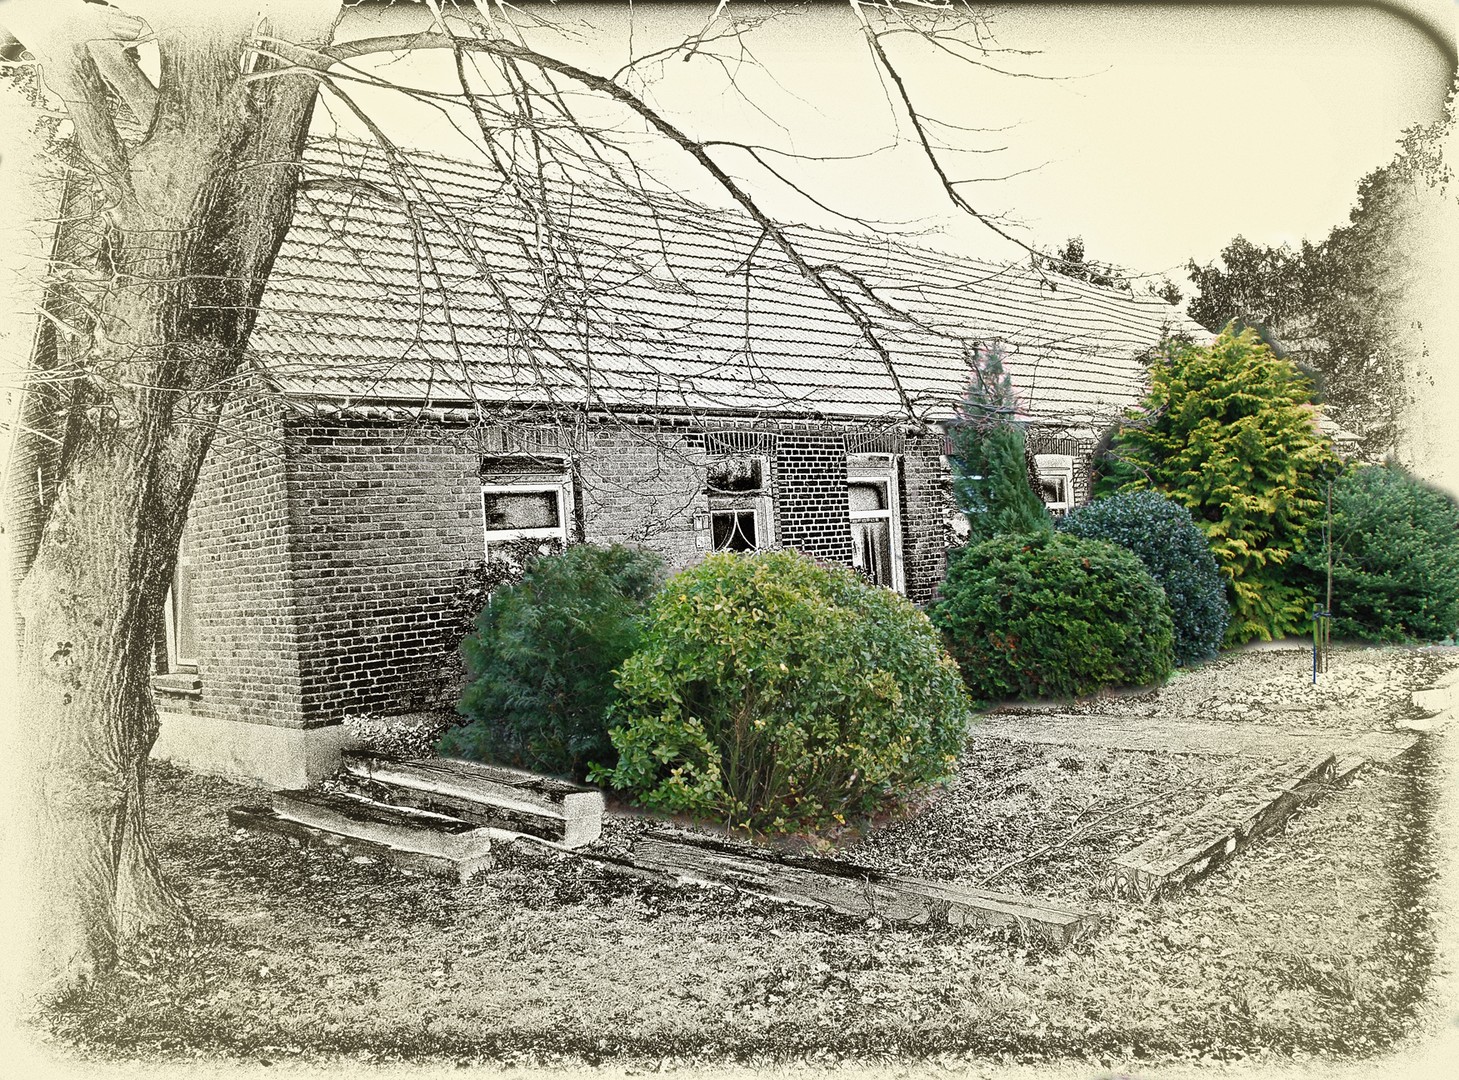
486, 795
410, 839
1220, 829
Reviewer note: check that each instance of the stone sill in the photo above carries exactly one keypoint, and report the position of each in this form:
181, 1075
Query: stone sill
178, 684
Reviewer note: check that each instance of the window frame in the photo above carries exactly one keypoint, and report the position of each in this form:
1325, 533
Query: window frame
176, 662
760, 502
881, 469
1056, 467
561, 489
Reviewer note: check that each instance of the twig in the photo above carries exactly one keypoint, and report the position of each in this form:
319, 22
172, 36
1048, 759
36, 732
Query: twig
1070, 837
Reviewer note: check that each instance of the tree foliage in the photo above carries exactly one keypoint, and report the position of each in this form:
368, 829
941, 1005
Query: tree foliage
1334, 305
1052, 615
773, 693
989, 456
1394, 543
1159, 532
1228, 430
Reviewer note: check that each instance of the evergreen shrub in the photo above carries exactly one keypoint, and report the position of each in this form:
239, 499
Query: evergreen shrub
1228, 430
1160, 533
773, 693
1395, 545
1052, 615
541, 663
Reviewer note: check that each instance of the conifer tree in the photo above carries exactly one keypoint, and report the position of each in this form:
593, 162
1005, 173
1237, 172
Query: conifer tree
1228, 430
991, 480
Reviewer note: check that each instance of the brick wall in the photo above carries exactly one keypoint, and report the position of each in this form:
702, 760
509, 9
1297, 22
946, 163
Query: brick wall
386, 516
248, 657
329, 551
643, 485
926, 505
812, 508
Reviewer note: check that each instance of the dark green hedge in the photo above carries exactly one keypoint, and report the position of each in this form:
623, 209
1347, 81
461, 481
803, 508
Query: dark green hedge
543, 658
1395, 547
1160, 533
1052, 615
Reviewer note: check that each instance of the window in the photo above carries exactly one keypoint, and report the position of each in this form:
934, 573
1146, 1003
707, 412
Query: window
179, 614
1056, 480
525, 498
876, 534
739, 504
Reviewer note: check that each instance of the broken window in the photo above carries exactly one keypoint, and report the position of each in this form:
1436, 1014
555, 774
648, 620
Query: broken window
739, 503
1056, 480
875, 522
525, 498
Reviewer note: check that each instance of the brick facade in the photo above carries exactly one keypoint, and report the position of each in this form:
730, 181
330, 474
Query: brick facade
239, 535
327, 551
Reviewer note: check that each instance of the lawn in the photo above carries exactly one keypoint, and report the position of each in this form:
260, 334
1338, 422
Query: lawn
1319, 940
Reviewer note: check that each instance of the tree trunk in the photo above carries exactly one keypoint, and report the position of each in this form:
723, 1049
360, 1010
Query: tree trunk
164, 280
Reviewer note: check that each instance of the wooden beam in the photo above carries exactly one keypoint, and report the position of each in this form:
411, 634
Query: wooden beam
1217, 831
489, 795
265, 819
856, 890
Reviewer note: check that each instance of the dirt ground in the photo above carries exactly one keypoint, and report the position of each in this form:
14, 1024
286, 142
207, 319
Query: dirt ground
1319, 942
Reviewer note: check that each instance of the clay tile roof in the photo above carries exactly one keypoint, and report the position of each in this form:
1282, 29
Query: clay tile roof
464, 291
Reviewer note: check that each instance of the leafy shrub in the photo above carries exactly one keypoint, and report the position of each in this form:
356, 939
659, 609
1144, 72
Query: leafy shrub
773, 693
1395, 546
1052, 615
542, 660
1160, 533
1228, 431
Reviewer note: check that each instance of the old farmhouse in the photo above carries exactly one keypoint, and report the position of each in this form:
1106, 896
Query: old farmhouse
449, 362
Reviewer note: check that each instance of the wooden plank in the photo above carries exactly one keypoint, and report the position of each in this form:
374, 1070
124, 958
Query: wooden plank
400, 828
856, 890
266, 819
490, 795
1217, 831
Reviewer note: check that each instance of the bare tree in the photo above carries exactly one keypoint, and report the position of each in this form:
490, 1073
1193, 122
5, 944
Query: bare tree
178, 194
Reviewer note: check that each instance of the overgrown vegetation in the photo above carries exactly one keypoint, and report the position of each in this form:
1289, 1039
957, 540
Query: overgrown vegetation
773, 693
1159, 532
1395, 557
1334, 305
543, 658
1052, 615
989, 457
1228, 431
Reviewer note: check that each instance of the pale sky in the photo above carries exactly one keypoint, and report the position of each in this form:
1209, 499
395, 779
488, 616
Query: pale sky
1157, 132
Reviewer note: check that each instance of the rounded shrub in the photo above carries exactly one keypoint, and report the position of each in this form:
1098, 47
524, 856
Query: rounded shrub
773, 693
1052, 615
542, 660
1395, 548
1161, 533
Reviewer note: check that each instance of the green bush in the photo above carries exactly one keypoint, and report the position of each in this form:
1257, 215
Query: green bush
1052, 615
1395, 545
541, 663
1228, 431
773, 693
1160, 533
988, 455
